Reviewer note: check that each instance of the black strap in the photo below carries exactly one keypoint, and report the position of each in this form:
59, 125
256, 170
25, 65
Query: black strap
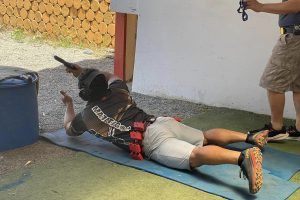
292, 29
242, 9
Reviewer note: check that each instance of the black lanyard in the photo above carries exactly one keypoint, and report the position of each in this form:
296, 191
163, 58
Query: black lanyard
242, 9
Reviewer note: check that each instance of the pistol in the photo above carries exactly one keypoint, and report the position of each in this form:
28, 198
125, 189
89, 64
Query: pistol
65, 63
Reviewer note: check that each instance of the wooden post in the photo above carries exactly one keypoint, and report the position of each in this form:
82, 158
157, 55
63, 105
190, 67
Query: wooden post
120, 45
125, 45
131, 29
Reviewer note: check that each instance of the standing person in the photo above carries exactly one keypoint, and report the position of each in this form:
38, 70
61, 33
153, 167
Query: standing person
282, 72
111, 114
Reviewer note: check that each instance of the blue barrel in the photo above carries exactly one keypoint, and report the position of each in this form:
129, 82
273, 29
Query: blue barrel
19, 124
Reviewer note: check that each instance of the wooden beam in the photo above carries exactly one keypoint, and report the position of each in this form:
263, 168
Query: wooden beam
131, 29
120, 45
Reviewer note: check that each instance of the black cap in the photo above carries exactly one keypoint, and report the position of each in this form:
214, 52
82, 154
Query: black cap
92, 84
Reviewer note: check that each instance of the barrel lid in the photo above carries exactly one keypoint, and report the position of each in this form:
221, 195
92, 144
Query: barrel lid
15, 76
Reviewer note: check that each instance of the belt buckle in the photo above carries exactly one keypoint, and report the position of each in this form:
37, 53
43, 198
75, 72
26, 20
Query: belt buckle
151, 120
297, 30
282, 30
297, 27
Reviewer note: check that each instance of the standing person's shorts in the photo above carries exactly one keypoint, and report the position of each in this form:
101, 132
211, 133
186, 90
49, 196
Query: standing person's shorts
283, 69
171, 143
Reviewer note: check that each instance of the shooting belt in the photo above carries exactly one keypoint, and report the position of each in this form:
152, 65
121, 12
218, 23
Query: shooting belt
295, 29
136, 136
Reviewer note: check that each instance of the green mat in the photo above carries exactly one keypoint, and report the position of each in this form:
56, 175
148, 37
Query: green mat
240, 121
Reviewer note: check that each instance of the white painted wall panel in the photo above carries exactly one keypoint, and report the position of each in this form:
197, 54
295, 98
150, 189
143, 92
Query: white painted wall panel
124, 6
202, 51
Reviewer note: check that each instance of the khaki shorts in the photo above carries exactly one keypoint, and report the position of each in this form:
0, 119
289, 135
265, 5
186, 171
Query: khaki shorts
171, 143
283, 69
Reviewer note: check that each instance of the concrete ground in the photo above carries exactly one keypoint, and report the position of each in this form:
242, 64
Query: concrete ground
22, 170
37, 55
77, 175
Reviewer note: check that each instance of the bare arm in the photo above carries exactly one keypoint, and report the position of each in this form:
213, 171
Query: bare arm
70, 113
290, 6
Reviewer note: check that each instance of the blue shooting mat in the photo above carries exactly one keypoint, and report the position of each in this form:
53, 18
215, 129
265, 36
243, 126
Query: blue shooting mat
221, 180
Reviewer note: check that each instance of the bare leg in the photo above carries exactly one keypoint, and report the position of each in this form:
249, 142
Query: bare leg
220, 136
276, 101
249, 160
296, 98
213, 155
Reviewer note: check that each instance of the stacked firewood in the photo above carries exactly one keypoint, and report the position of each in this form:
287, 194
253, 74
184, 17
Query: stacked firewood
83, 21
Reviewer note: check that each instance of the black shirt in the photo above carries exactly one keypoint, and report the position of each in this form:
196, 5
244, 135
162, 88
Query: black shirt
111, 118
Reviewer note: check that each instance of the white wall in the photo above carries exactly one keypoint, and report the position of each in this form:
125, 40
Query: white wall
202, 51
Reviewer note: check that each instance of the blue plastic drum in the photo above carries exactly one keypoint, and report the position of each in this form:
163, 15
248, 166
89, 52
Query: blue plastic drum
19, 125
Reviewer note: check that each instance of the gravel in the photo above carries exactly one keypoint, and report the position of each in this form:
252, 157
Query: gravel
38, 56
